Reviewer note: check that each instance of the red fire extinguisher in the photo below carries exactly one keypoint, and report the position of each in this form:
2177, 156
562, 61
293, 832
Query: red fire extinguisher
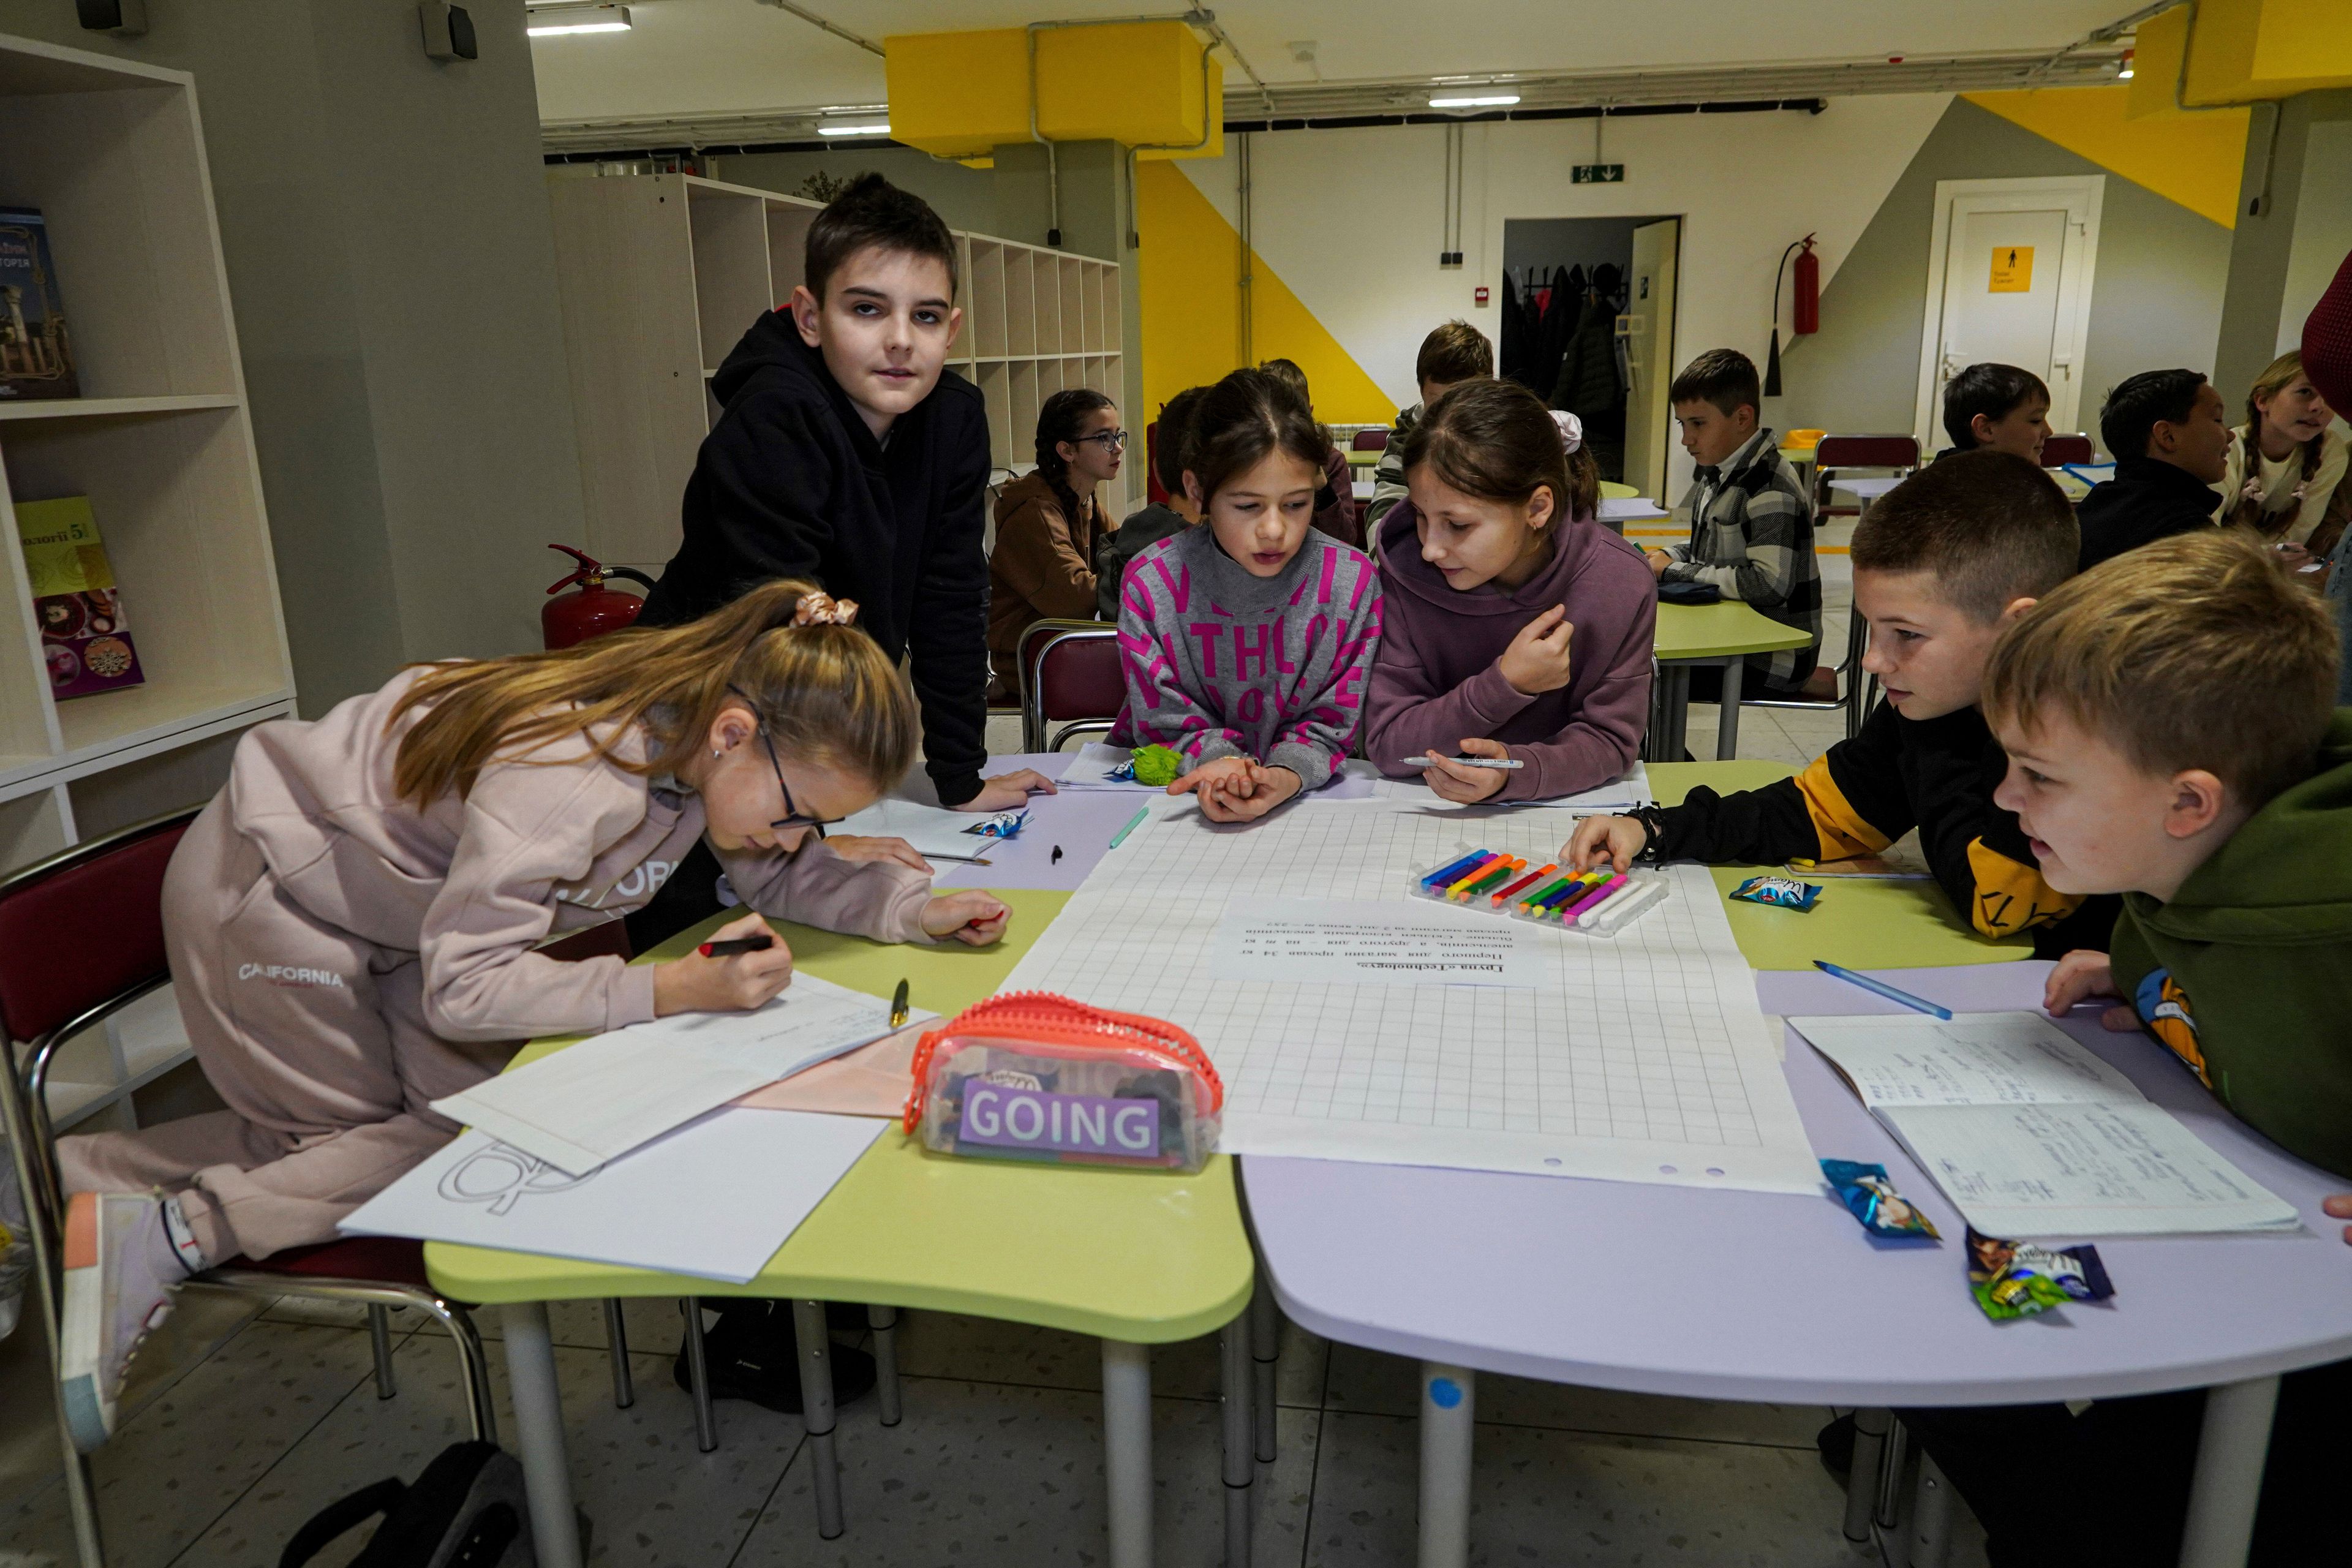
592, 611
1805, 308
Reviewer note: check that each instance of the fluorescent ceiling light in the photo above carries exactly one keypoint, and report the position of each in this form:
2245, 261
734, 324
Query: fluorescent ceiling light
1494, 101
881, 130
2124, 74
555, 22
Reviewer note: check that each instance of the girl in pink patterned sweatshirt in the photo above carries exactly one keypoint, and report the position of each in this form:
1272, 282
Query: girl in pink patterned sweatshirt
353, 922
1246, 641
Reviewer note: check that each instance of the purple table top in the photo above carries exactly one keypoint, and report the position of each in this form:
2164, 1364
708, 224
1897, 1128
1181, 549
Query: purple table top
1080, 821
1755, 1296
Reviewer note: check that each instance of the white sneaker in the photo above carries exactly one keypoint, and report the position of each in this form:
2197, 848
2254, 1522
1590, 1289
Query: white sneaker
121, 1270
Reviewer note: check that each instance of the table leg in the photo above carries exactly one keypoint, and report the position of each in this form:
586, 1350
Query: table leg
2229, 1480
1862, 1482
816, 1413
1726, 723
538, 1432
1126, 1450
697, 1376
1448, 1416
1240, 1467
1931, 1517
883, 1322
1265, 1348
616, 1345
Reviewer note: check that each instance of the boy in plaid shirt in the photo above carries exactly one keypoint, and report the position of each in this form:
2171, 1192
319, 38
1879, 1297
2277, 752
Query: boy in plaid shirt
1751, 523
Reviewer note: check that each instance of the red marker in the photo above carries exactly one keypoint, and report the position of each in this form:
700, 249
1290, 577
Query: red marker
735, 945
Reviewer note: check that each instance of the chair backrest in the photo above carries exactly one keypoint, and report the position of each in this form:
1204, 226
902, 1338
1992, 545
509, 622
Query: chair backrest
1867, 452
2060, 450
80, 928
1370, 441
1069, 671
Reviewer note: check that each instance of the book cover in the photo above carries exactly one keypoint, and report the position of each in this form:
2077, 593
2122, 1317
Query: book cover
85, 635
35, 355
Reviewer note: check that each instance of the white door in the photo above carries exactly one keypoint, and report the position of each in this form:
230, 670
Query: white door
2009, 281
1647, 327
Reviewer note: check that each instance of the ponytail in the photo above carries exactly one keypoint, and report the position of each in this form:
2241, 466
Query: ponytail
823, 692
1058, 422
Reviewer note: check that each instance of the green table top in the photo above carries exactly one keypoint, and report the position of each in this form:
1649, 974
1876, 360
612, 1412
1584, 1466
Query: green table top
1861, 923
1612, 490
1724, 630
1143, 1256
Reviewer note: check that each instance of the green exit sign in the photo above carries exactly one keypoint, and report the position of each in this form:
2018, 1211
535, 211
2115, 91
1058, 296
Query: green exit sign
1599, 174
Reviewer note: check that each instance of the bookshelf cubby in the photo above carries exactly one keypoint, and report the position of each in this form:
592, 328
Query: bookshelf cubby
659, 276
110, 150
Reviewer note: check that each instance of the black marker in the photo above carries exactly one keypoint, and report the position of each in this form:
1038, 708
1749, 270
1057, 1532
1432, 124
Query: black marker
1057, 856
899, 1006
735, 945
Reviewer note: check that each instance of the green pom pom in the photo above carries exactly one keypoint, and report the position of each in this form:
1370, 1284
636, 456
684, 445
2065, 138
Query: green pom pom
1157, 765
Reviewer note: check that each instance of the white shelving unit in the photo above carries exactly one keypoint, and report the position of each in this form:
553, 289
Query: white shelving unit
660, 274
111, 152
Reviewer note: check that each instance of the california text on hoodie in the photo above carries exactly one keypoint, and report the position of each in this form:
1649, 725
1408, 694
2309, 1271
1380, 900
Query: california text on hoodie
791, 483
343, 958
2246, 972
1435, 681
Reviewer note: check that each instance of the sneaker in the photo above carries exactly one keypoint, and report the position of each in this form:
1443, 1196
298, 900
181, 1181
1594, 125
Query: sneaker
755, 1356
121, 1270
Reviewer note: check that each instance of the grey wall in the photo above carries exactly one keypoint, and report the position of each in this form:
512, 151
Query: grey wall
384, 222
2155, 301
2293, 223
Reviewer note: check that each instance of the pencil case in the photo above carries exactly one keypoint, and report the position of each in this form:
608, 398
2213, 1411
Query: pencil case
1494, 882
1033, 1076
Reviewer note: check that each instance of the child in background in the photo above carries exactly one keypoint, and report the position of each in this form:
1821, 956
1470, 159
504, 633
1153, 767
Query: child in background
1246, 641
352, 922
1451, 354
1751, 524
1515, 625
1144, 529
1334, 503
2000, 407
1941, 564
2169, 723
1049, 525
2284, 477
2165, 430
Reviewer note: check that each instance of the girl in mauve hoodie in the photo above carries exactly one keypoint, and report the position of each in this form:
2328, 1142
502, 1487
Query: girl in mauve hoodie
351, 921
1516, 625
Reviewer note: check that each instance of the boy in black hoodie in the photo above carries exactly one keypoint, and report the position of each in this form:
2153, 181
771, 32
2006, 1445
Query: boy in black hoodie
2170, 435
850, 454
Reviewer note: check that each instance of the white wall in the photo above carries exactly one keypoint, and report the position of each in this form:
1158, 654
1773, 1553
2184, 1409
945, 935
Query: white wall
1352, 220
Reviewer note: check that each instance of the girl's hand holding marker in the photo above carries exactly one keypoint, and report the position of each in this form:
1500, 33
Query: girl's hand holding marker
1467, 779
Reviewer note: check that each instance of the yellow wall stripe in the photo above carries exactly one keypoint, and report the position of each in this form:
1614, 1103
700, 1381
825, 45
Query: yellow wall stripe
2192, 159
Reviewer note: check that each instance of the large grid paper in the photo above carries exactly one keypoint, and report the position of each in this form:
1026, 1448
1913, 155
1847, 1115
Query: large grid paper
1642, 1058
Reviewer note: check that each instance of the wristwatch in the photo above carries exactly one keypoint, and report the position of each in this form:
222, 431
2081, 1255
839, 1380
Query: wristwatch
1653, 825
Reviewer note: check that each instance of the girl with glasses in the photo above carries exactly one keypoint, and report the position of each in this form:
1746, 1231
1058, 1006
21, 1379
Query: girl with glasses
1048, 524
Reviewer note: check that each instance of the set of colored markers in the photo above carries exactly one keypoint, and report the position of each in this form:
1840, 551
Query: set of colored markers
1599, 902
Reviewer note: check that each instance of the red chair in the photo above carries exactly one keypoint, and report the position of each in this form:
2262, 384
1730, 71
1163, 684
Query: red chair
81, 937
1070, 677
2060, 450
1371, 440
1836, 453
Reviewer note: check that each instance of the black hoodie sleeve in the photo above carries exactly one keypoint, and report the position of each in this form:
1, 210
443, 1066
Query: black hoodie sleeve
948, 639
1850, 802
765, 479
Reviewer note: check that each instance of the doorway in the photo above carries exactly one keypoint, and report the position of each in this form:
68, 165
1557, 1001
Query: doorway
2009, 267
1568, 294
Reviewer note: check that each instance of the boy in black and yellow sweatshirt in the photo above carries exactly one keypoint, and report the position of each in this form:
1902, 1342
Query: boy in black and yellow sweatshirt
1941, 565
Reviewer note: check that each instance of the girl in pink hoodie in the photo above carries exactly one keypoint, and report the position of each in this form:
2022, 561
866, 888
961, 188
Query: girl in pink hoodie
352, 922
1518, 626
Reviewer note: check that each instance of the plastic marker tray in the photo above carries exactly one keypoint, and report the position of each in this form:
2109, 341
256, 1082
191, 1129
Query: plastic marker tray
1512, 907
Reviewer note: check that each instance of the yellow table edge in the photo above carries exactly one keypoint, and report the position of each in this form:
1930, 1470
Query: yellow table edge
1724, 630
1142, 1292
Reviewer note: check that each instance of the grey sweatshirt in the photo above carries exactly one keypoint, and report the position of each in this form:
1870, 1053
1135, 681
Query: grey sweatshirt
1221, 663
545, 842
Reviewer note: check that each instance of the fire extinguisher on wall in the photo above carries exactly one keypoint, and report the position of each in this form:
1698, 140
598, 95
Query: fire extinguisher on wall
1804, 309
592, 611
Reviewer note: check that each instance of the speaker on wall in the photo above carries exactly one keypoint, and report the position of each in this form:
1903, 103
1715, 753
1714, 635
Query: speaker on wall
448, 30
123, 18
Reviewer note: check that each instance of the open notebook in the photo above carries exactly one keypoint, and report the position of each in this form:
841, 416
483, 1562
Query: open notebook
2032, 1135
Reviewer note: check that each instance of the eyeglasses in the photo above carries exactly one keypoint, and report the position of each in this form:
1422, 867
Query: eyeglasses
1112, 440
793, 816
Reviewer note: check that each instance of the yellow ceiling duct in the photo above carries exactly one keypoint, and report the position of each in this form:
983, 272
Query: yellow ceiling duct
2239, 51
1142, 84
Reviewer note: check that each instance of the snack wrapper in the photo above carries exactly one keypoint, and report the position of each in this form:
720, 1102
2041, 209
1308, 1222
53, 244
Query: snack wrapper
1872, 1199
2019, 1279
1783, 892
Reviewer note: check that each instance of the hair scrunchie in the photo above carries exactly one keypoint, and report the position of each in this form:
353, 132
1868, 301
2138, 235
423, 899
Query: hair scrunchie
823, 609
1571, 430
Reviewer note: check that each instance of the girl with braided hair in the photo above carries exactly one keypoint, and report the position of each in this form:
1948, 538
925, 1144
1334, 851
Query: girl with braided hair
1047, 525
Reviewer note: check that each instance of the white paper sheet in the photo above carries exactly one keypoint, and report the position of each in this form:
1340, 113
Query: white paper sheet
1977, 1059
594, 1101
1641, 1058
1090, 769
714, 1199
2067, 1171
931, 829
1327, 941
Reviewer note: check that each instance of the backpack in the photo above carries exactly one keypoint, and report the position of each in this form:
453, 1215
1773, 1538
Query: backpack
466, 1511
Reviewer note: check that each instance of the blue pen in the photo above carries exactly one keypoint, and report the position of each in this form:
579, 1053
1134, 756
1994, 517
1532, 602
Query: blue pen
1133, 823
1916, 1004
1448, 873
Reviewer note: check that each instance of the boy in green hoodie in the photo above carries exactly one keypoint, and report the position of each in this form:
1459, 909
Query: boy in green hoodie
2171, 722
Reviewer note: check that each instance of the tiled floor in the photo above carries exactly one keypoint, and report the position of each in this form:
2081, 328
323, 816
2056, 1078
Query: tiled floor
997, 1463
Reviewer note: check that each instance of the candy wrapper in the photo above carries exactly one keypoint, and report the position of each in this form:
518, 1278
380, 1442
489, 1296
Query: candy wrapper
2017, 1279
1002, 825
1782, 892
1872, 1198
